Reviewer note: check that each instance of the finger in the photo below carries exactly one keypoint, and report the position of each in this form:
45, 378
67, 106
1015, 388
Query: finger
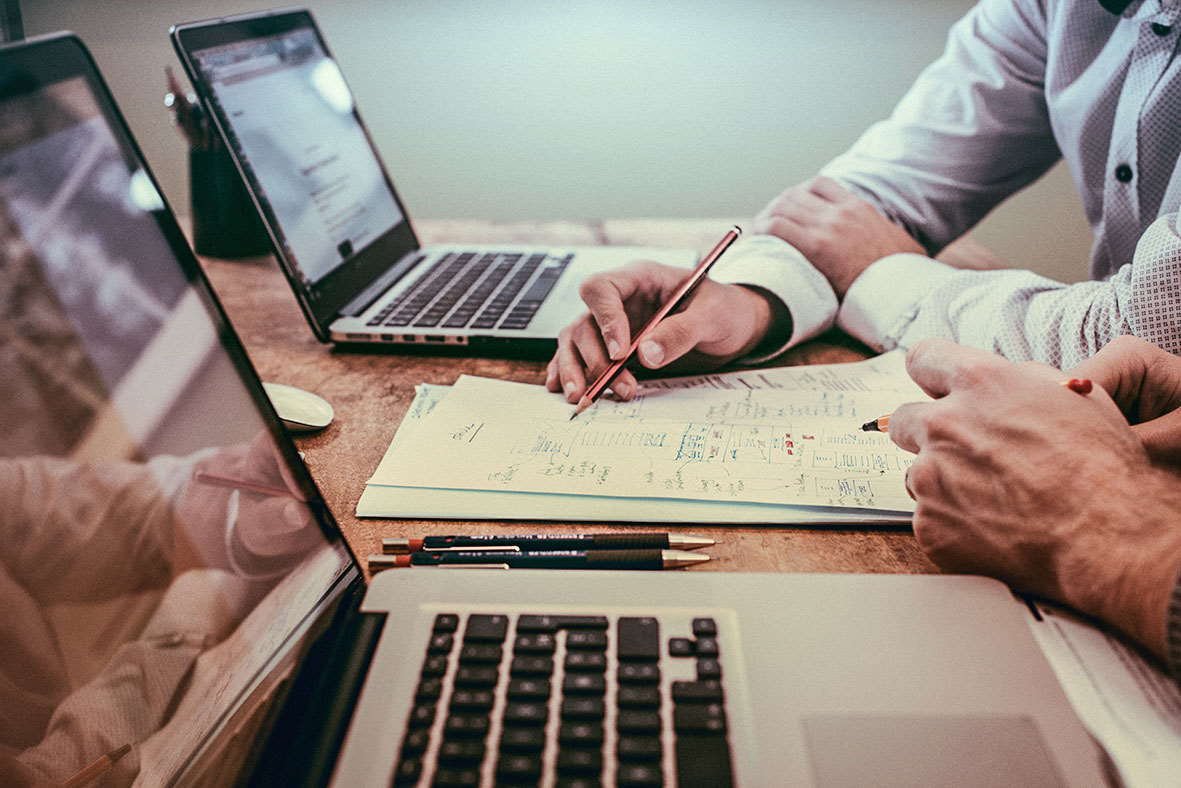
908, 425
804, 206
939, 366
828, 189
672, 338
787, 228
551, 376
625, 385
1161, 438
605, 295
1143, 379
588, 342
570, 369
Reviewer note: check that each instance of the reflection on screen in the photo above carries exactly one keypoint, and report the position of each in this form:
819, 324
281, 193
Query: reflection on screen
155, 552
293, 124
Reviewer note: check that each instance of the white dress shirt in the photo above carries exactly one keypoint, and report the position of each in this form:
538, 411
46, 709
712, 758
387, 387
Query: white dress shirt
1020, 84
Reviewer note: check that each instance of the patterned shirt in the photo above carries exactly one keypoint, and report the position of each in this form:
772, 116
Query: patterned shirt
1021, 84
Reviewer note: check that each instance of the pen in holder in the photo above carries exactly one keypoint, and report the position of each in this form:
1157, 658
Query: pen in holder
225, 221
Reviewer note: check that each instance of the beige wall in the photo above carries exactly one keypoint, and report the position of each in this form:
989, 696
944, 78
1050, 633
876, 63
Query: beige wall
524, 109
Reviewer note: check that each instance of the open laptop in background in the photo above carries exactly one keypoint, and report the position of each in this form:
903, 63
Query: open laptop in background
177, 594
338, 228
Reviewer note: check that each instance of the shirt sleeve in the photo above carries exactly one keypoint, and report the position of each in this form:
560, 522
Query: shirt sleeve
770, 263
1173, 632
972, 130
1025, 317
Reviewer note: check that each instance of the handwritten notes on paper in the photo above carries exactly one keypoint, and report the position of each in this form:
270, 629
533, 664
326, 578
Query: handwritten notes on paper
781, 436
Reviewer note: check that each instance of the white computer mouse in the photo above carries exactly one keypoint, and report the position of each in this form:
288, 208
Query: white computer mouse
299, 410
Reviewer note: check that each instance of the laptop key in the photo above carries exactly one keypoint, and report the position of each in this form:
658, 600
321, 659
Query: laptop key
638, 673
407, 771
680, 647
636, 721
580, 760
525, 739
465, 726
632, 697
590, 640
641, 774
415, 741
639, 639
541, 643
476, 676
517, 713
709, 668
514, 768
528, 689
697, 691
699, 718
434, 665
421, 715
446, 622
440, 643
532, 623
703, 760
581, 733
705, 628
429, 690
639, 748
578, 782
471, 700
461, 751
531, 666
586, 661
456, 778
584, 684
706, 647
583, 708
479, 654
486, 628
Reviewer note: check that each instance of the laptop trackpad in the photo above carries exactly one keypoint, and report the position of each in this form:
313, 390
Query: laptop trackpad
945, 750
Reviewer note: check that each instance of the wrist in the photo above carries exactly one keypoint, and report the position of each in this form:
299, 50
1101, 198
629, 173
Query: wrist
771, 321
1124, 565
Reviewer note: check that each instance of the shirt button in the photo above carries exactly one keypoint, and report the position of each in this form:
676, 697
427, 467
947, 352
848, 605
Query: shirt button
1123, 173
1161, 30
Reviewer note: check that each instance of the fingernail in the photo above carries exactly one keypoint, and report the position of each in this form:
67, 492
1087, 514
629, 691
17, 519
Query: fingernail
653, 353
569, 387
624, 390
613, 348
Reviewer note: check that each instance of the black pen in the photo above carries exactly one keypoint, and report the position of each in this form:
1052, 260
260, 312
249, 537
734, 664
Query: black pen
520, 542
550, 559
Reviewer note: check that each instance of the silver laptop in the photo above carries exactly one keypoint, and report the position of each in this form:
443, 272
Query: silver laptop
339, 229
182, 609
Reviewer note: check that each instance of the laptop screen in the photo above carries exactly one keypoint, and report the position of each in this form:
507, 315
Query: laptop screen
160, 545
291, 119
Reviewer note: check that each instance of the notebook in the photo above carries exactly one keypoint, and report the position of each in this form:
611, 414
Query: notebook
182, 608
339, 229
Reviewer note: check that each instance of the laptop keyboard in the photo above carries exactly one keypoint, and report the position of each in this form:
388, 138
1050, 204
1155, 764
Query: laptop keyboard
471, 289
569, 701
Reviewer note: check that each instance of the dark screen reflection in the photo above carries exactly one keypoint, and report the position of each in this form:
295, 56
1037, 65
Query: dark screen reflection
154, 550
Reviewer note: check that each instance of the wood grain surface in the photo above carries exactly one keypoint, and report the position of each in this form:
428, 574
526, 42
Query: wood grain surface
371, 391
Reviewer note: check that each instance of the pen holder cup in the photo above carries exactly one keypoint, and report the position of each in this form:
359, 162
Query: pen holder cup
225, 221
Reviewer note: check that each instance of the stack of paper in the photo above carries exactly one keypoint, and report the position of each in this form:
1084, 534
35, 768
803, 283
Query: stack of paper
766, 446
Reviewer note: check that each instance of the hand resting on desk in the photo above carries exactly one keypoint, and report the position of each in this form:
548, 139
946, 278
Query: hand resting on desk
1053, 492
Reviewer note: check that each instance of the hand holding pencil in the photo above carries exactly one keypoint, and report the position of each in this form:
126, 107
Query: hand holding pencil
718, 323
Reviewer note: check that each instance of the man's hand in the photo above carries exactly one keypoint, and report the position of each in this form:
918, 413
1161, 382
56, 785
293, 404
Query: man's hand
720, 323
1145, 381
1020, 478
839, 233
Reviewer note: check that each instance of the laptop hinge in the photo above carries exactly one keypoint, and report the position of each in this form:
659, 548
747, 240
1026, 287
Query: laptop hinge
301, 748
379, 286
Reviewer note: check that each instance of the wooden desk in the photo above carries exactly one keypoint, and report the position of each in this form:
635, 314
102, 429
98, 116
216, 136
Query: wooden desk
371, 392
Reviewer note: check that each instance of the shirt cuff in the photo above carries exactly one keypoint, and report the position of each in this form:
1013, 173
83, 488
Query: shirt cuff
1173, 632
884, 299
770, 263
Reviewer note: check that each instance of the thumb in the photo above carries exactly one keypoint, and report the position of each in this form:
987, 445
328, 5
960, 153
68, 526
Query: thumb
675, 336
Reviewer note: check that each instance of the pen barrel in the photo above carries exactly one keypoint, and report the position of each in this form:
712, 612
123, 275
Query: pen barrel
636, 541
555, 559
